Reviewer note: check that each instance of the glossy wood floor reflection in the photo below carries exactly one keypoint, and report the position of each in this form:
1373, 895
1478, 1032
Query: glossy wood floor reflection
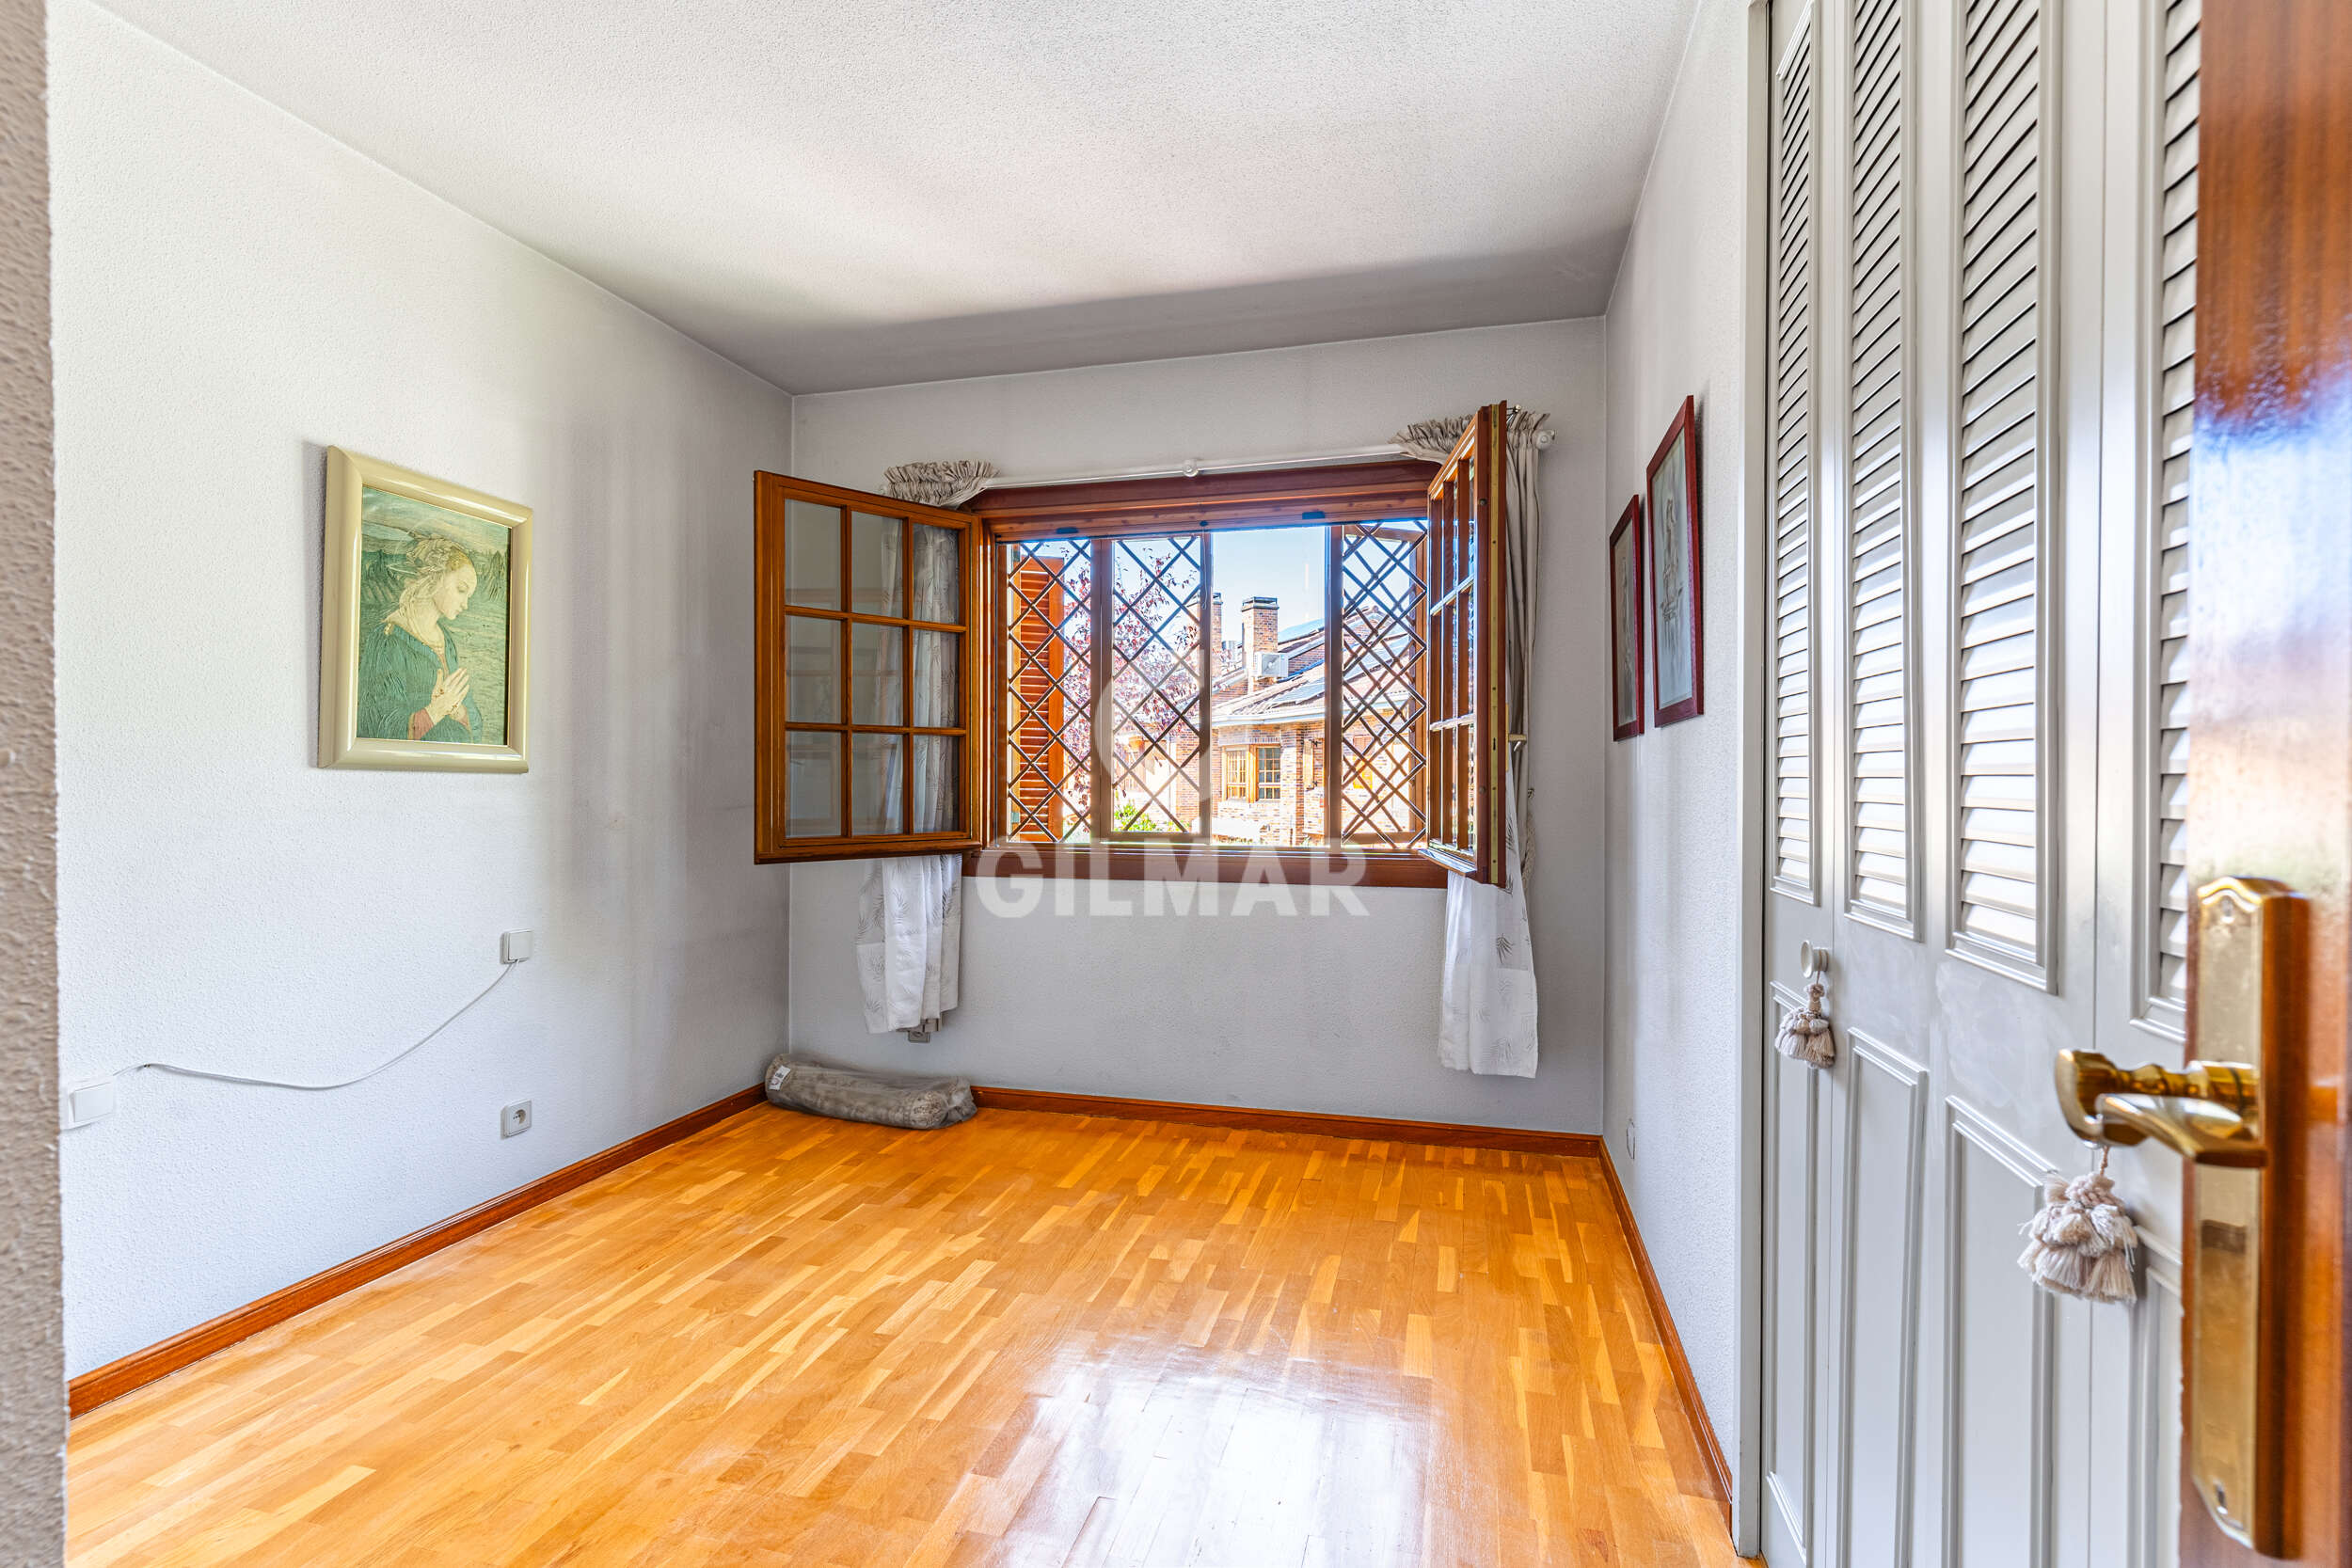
1034, 1339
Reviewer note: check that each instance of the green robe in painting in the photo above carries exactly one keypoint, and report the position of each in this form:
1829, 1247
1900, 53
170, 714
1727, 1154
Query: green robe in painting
396, 677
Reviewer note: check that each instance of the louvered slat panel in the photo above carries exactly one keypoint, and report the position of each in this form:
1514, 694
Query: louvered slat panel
1794, 264
1997, 615
2174, 412
1878, 501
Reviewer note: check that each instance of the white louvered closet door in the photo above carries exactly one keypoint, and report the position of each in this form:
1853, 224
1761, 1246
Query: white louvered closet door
1979, 284
1998, 608
1876, 310
1792, 454
1804, 891
2162, 942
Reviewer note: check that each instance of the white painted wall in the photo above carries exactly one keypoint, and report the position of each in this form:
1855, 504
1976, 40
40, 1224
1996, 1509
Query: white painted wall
236, 292
32, 1392
1676, 327
1337, 1013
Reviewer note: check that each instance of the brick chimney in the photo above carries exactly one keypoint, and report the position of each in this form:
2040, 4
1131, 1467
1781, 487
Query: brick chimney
1217, 635
1260, 633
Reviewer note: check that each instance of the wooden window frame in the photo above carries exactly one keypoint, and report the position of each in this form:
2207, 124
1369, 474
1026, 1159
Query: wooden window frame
1461, 676
772, 842
1244, 788
1211, 503
1258, 786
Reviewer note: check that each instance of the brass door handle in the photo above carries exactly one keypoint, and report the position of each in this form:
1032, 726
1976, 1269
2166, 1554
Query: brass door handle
2210, 1115
2242, 941
2197, 1131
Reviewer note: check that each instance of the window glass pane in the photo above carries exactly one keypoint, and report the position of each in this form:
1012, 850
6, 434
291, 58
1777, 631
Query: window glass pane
1047, 690
937, 696
877, 674
1270, 771
812, 555
876, 784
812, 764
1381, 776
1268, 699
938, 573
877, 571
1158, 605
937, 805
812, 669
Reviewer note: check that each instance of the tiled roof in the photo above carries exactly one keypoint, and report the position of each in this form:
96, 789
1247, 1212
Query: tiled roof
1294, 701
1299, 697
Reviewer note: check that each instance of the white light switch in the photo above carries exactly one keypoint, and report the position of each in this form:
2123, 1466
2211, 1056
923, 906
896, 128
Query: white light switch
515, 946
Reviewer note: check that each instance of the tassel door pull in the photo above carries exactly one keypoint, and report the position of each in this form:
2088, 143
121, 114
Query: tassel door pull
2080, 1242
1805, 1034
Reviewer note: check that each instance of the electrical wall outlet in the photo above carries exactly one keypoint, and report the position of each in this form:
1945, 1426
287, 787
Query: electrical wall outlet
515, 1119
515, 946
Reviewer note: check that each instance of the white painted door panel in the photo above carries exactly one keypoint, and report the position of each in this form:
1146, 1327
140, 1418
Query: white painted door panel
1981, 241
2001, 1355
1884, 1156
1793, 1213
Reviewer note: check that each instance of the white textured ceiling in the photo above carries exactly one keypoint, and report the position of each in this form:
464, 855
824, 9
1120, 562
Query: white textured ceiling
858, 193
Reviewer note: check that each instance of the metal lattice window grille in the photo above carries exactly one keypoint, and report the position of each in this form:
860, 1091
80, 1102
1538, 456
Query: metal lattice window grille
1108, 638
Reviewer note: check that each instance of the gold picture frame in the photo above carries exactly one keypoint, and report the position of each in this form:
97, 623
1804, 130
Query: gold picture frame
425, 584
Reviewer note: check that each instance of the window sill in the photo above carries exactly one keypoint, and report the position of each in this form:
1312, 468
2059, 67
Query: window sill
1222, 862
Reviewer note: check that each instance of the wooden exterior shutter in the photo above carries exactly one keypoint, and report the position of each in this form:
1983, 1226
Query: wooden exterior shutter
867, 682
1795, 268
1462, 565
1880, 847
2000, 670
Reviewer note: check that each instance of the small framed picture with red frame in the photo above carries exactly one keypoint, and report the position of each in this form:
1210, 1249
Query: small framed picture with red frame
1676, 623
1627, 622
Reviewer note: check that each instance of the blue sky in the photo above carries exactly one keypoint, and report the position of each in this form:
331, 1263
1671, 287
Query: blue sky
1285, 563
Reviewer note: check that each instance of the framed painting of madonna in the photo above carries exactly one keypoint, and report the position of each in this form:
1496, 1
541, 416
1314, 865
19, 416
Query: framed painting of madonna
424, 624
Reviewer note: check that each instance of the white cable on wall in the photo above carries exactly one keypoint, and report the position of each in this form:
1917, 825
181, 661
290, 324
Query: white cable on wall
506, 967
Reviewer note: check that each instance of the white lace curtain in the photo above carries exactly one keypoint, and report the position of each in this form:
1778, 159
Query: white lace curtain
1486, 1009
933, 666
910, 941
911, 913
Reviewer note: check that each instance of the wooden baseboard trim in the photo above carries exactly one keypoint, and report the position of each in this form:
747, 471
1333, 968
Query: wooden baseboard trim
1703, 1427
142, 1367
1455, 1134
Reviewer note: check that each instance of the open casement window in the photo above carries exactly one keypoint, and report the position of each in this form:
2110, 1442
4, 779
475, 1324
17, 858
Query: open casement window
1156, 709
1461, 561
867, 683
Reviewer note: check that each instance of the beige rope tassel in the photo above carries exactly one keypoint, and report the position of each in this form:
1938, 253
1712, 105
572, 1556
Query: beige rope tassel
2080, 1241
1804, 1034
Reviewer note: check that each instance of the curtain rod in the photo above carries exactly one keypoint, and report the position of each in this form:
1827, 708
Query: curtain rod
1229, 466
1166, 470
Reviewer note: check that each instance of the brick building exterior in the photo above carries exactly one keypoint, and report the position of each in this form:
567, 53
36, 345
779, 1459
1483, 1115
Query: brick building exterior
1268, 772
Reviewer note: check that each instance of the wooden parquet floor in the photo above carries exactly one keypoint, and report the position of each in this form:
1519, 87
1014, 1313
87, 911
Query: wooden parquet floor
1031, 1340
